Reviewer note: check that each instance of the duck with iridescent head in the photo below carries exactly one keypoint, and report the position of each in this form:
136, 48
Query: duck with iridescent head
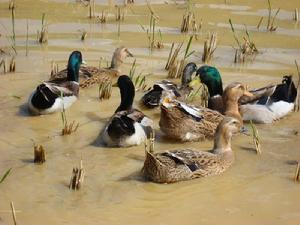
58, 94
266, 105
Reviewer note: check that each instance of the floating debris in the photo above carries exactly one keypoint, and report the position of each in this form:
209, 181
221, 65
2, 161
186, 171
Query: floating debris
39, 154
77, 177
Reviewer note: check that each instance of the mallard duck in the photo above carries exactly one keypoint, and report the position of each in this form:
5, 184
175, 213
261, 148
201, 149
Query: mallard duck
56, 95
273, 107
184, 122
185, 164
127, 126
264, 106
153, 98
90, 75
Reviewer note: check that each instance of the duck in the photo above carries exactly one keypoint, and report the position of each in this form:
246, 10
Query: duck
91, 75
186, 164
153, 98
58, 94
185, 122
267, 104
128, 126
274, 107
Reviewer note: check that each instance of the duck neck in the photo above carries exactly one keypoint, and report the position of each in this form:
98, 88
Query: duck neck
127, 96
222, 142
186, 77
116, 62
231, 107
73, 71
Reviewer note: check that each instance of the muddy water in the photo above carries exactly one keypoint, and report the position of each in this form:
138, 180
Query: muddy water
256, 190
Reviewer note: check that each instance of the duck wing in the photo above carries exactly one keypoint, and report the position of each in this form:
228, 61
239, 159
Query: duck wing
60, 87
153, 98
286, 91
259, 95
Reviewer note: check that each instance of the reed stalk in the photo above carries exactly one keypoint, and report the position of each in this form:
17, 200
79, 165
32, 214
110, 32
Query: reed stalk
11, 4
27, 27
297, 172
210, 45
255, 137
297, 100
259, 23
67, 128
12, 65
43, 35
13, 26
5, 175
202, 95
39, 154
77, 177
105, 89
13, 211
3, 64
296, 15
149, 143
139, 80
270, 24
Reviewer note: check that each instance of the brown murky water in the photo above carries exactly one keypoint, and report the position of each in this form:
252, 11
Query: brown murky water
258, 189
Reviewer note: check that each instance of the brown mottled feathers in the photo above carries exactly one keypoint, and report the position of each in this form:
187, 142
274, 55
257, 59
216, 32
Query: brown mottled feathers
89, 75
184, 164
179, 125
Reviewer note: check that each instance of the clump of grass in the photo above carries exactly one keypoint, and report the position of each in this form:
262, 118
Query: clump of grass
149, 143
296, 15
270, 24
245, 50
105, 88
174, 66
210, 45
202, 95
255, 136
77, 177
297, 172
42, 36
5, 175
39, 154
139, 80
297, 100
68, 128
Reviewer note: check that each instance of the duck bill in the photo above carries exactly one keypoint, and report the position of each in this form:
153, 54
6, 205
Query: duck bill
129, 54
248, 94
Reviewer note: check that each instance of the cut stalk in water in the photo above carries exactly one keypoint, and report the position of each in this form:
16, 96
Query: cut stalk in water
297, 172
255, 136
77, 177
43, 34
12, 65
149, 143
5, 175
210, 45
297, 100
13, 26
39, 154
67, 128
27, 37
11, 4
13, 212
296, 15
270, 24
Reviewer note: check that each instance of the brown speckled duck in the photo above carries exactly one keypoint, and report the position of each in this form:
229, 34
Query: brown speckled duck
185, 164
90, 75
184, 122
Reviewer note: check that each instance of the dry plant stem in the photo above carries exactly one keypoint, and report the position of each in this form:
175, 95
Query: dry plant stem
297, 100
256, 139
77, 177
149, 143
3, 64
39, 154
259, 23
105, 89
11, 4
210, 46
27, 37
296, 15
173, 57
13, 211
12, 65
297, 172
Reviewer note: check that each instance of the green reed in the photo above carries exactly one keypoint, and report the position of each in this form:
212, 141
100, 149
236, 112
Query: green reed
5, 175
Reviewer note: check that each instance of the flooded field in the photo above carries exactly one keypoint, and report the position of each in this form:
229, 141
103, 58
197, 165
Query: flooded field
257, 189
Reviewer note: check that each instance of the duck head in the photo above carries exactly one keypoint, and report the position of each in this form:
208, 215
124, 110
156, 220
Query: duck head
188, 71
127, 92
211, 77
232, 93
75, 60
225, 130
118, 57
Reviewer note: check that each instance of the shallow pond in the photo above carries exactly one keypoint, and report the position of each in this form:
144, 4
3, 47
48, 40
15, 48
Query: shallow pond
257, 189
